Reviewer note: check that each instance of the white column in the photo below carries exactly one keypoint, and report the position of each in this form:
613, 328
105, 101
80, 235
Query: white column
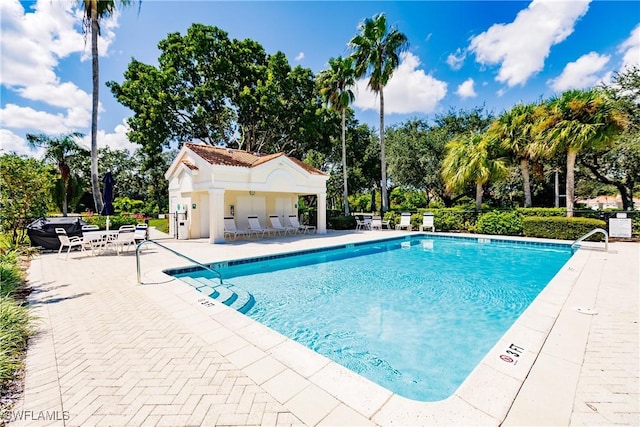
216, 212
322, 213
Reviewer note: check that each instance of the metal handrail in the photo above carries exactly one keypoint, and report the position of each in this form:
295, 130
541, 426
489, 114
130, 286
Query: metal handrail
139, 246
591, 233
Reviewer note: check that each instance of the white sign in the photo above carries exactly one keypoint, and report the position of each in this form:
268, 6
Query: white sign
620, 227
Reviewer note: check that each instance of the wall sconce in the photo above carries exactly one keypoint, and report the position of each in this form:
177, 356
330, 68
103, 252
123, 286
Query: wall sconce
232, 210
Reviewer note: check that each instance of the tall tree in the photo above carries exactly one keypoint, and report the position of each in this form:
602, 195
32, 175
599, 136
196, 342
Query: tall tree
471, 158
26, 193
59, 150
417, 149
620, 165
376, 50
220, 91
514, 131
335, 86
94, 11
580, 120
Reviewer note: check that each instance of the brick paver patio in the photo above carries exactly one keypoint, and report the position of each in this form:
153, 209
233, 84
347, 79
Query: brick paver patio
111, 352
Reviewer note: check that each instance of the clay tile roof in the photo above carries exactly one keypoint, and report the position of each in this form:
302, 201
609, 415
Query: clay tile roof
190, 165
230, 157
306, 167
223, 156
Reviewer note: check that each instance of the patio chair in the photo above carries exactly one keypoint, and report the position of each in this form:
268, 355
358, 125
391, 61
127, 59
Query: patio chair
405, 221
68, 242
427, 221
376, 223
293, 219
231, 231
90, 227
125, 238
363, 224
141, 233
255, 227
276, 225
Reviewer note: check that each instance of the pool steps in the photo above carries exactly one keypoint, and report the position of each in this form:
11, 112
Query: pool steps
227, 293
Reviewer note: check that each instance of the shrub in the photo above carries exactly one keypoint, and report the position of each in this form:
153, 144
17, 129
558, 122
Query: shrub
10, 278
505, 223
342, 222
542, 211
561, 228
16, 326
115, 221
448, 219
392, 218
125, 204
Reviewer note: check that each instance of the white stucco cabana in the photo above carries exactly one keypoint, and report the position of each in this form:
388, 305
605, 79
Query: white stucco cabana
207, 183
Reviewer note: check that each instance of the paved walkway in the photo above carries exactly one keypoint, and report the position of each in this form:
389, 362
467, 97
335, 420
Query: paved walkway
111, 352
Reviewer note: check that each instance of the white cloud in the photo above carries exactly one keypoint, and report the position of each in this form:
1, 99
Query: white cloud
117, 140
63, 95
521, 47
12, 143
630, 49
17, 117
456, 60
32, 43
299, 57
409, 90
582, 73
466, 90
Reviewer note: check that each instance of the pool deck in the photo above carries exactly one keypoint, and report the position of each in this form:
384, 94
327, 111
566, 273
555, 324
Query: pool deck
112, 352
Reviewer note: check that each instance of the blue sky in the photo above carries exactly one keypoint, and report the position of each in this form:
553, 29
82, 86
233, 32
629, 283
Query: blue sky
462, 54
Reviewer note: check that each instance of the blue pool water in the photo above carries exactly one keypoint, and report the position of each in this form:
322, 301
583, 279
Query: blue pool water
415, 315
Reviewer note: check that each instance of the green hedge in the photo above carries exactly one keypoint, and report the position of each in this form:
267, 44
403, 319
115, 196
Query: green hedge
115, 221
342, 222
542, 211
503, 223
561, 228
444, 219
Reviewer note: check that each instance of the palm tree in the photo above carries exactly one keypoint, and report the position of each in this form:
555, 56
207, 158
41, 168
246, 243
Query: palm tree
336, 84
514, 131
580, 120
59, 150
376, 50
94, 11
469, 159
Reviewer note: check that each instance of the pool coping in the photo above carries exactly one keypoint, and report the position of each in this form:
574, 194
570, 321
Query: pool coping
484, 398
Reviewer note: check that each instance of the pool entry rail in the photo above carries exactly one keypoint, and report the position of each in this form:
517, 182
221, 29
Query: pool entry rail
199, 264
591, 233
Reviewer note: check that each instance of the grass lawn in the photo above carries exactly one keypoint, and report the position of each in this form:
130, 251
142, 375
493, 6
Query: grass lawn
159, 224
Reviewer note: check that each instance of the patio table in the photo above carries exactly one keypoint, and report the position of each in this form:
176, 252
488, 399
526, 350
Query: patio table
98, 239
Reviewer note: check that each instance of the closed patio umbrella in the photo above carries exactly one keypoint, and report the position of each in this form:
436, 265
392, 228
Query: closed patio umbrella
107, 197
373, 201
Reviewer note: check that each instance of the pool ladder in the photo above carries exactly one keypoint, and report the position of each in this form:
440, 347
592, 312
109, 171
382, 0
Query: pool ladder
591, 233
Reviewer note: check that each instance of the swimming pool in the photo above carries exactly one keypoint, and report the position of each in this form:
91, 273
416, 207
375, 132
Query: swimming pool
414, 314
